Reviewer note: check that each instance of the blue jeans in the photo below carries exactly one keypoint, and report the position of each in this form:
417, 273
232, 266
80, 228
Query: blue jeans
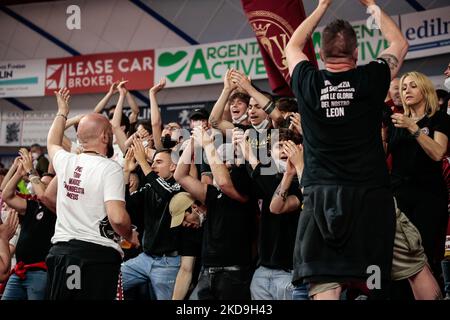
271, 284
301, 292
445, 264
31, 288
159, 272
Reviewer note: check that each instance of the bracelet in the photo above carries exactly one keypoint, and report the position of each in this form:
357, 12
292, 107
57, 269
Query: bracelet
416, 134
269, 107
61, 115
35, 179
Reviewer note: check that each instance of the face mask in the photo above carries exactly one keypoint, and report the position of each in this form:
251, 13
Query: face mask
447, 83
240, 119
281, 165
167, 142
263, 125
448, 111
35, 155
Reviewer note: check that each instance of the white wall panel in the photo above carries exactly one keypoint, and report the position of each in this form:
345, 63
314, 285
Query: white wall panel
46, 49
25, 41
14, 54
95, 15
56, 22
7, 26
149, 34
84, 42
122, 24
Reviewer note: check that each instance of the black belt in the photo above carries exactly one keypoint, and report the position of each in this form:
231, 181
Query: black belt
166, 254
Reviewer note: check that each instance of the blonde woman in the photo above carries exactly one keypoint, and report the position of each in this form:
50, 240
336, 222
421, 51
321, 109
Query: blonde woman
418, 141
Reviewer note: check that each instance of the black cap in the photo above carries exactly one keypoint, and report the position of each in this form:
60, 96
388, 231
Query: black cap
199, 114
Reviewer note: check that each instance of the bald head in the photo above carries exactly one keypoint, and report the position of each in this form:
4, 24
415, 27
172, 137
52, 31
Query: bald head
91, 128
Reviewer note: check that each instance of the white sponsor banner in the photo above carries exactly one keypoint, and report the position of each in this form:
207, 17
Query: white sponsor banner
370, 41
11, 129
428, 32
27, 128
22, 78
207, 64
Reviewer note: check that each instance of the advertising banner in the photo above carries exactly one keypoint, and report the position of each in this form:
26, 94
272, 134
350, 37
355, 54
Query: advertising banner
22, 78
96, 72
207, 64
11, 128
428, 32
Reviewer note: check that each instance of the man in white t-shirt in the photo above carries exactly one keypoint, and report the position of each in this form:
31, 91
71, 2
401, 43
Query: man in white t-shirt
84, 262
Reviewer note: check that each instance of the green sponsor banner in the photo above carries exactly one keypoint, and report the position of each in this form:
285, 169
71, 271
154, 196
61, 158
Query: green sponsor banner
207, 64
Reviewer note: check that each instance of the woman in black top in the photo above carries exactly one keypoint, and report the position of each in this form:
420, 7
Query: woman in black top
418, 141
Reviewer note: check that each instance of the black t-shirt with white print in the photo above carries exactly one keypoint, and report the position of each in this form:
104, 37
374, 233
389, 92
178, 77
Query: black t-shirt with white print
227, 238
37, 229
276, 231
341, 120
410, 163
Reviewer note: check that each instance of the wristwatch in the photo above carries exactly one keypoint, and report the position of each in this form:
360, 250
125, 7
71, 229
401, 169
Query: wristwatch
416, 133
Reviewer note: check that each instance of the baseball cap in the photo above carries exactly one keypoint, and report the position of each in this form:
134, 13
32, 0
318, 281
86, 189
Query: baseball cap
199, 114
178, 206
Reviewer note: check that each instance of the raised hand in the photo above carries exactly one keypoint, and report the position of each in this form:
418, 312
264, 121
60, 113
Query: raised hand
121, 88
201, 137
9, 226
241, 80
26, 160
62, 98
20, 170
113, 88
294, 153
228, 83
158, 87
295, 122
129, 164
16, 162
139, 151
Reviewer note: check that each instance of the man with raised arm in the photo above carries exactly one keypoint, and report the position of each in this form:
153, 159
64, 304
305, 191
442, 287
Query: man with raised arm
84, 262
348, 221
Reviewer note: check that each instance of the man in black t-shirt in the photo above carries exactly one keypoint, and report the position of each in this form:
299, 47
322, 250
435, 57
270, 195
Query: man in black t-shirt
227, 238
277, 228
29, 278
348, 219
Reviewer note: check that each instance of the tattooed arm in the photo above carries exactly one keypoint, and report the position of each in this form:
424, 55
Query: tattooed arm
398, 45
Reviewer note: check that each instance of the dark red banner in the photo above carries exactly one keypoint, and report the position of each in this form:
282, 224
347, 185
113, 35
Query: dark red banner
274, 22
96, 72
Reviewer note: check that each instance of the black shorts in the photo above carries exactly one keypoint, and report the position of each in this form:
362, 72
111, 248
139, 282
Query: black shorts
342, 231
79, 270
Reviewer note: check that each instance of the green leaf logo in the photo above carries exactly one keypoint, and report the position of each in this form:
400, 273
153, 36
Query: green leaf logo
168, 59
